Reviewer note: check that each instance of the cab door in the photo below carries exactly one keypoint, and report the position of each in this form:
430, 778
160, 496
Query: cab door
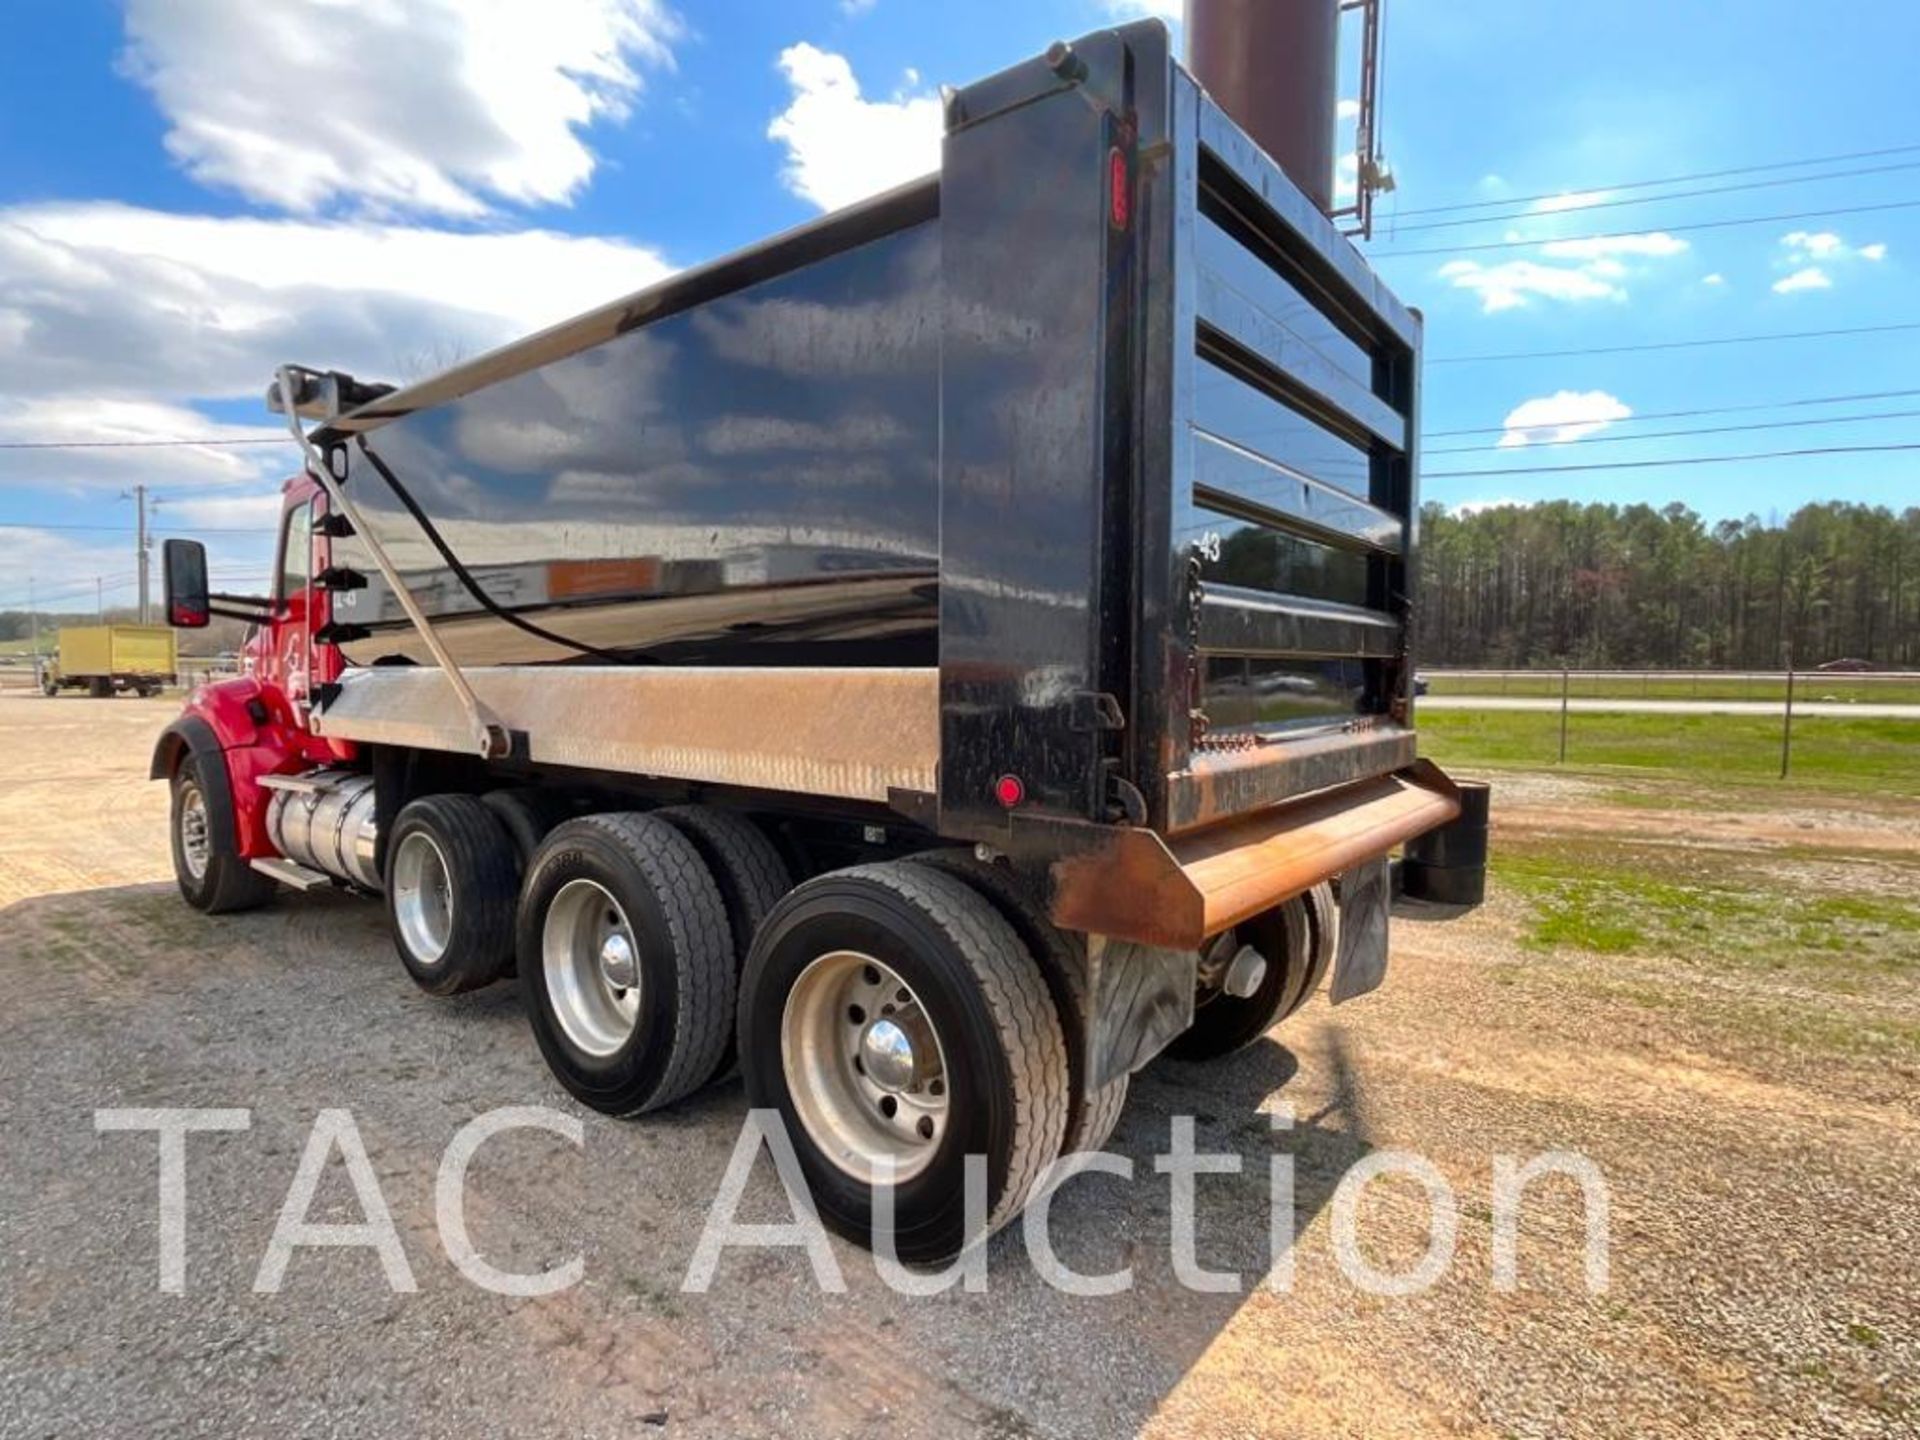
291, 651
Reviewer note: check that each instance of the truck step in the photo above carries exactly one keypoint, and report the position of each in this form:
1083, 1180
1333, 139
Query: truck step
289, 872
299, 784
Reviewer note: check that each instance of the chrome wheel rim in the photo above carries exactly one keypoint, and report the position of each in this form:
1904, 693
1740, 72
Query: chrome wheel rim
422, 897
591, 962
865, 1067
196, 841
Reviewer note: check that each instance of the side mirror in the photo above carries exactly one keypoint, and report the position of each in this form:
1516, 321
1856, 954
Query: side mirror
185, 565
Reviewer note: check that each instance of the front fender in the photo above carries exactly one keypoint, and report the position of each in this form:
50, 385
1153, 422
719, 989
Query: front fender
231, 725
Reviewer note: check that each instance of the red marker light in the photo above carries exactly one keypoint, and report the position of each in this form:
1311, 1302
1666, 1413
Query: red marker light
1119, 200
1009, 791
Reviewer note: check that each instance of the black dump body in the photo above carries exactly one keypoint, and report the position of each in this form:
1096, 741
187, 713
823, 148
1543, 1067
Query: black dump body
1105, 424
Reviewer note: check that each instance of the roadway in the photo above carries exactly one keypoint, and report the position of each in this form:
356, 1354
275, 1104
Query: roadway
1857, 710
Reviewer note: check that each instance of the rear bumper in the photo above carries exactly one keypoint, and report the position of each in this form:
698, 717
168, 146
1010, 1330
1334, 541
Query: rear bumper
1178, 891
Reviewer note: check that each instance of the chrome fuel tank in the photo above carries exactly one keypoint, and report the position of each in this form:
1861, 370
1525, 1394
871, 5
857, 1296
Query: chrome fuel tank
327, 824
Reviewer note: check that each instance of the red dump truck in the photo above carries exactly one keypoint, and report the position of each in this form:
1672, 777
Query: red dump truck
935, 660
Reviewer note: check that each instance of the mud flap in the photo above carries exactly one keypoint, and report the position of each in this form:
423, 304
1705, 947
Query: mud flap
1360, 964
1139, 1000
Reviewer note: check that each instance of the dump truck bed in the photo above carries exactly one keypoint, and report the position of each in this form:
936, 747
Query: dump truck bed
1068, 491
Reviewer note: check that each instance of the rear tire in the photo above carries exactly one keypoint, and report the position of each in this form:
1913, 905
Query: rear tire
100, 688
1224, 1023
212, 874
527, 814
975, 1062
626, 962
1091, 1117
752, 879
452, 874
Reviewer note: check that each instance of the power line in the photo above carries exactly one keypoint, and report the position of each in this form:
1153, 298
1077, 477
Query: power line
1649, 230
118, 582
1692, 430
1689, 414
1676, 344
1531, 214
1668, 180
120, 529
1680, 461
137, 444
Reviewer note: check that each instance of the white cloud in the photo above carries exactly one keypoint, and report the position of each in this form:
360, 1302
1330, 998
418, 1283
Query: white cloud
117, 463
1657, 244
1572, 200
1562, 416
1810, 278
1601, 263
857, 7
1347, 110
1815, 245
440, 106
230, 512
842, 147
1714, 279
115, 319
1512, 283
113, 300
1171, 11
1813, 258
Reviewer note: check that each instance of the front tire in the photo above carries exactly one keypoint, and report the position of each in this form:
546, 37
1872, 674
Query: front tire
626, 962
213, 876
452, 874
898, 1024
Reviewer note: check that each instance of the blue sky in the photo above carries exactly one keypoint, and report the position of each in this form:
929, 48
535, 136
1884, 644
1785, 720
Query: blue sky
191, 190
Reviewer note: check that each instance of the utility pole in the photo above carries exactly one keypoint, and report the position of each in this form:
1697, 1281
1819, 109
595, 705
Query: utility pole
33, 618
100, 599
140, 506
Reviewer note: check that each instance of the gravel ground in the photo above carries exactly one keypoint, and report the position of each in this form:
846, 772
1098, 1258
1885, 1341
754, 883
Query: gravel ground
1764, 1230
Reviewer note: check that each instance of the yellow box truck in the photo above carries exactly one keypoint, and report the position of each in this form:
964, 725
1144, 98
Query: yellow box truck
104, 659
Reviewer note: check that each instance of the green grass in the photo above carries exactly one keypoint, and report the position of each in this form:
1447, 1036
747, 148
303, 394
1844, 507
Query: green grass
1717, 908
1813, 686
1728, 939
1846, 755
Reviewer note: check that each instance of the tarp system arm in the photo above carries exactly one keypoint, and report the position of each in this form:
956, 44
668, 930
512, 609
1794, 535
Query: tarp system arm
489, 736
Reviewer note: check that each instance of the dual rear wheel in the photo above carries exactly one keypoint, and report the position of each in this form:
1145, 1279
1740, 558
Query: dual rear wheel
898, 1024
895, 1015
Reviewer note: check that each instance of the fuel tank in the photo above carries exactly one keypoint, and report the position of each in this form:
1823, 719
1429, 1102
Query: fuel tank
327, 824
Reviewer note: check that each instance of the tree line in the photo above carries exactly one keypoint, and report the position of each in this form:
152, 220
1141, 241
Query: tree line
1634, 587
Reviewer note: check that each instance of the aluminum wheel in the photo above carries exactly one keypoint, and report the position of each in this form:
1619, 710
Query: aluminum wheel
196, 841
422, 897
592, 965
864, 1066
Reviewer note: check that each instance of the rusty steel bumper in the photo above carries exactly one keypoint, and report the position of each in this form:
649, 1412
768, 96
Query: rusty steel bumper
1178, 891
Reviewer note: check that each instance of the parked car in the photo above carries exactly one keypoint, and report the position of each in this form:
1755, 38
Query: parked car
1848, 667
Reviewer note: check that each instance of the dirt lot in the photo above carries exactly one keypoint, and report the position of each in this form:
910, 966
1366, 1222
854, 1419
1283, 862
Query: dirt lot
1655, 985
